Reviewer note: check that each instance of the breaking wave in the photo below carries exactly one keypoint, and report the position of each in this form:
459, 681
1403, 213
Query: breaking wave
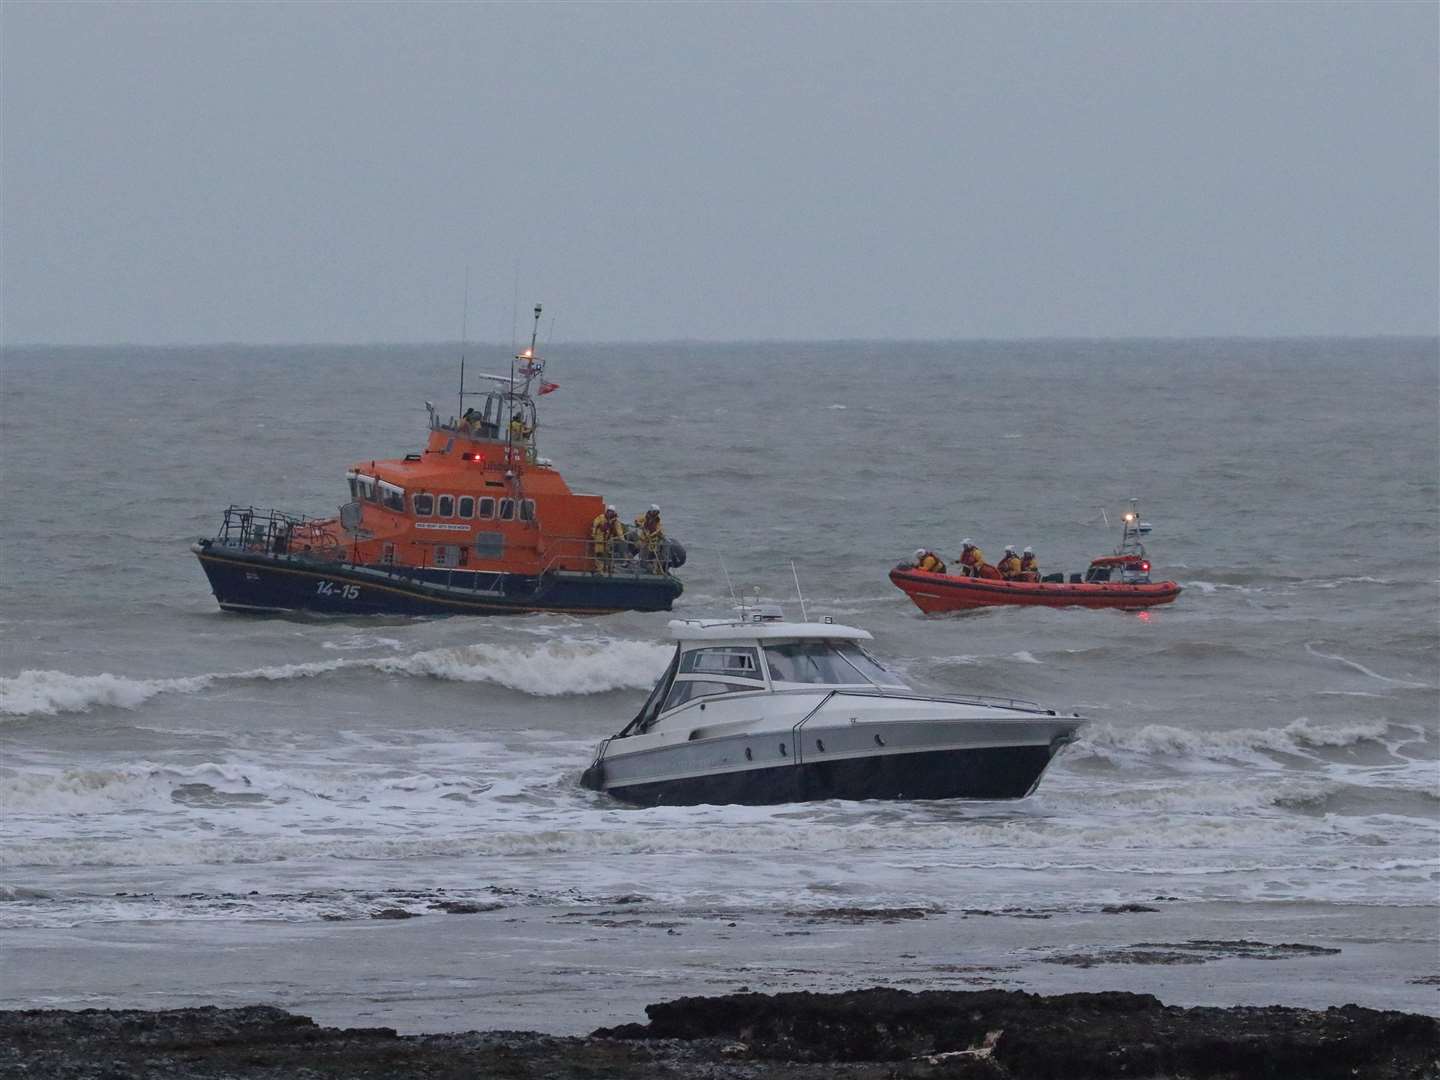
1356, 666
556, 668
1299, 736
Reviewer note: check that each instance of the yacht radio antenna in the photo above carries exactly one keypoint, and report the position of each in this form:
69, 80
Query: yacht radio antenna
803, 616
728, 584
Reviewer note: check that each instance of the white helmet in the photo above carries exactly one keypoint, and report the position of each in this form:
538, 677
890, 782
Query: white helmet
919, 554
1029, 551
611, 509
967, 542
1010, 548
654, 509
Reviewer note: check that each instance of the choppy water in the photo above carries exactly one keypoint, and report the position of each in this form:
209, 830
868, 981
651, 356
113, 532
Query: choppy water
1270, 737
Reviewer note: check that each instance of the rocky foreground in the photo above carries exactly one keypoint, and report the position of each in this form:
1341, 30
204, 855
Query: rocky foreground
980, 1035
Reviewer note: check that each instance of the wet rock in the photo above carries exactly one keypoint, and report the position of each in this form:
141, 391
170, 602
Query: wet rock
1188, 952
1067, 1035
464, 907
1126, 909
877, 1034
393, 913
856, 915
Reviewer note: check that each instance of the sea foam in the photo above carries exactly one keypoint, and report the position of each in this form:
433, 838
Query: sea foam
555, 668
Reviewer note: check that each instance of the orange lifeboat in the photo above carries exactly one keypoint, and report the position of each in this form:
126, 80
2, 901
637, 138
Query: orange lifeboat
477, 523
1121, 580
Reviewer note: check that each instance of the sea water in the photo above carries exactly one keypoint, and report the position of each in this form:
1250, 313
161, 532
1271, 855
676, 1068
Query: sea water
1269, 740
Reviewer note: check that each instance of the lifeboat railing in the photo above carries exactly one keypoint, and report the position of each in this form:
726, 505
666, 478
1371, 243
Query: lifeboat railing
261, 529
625, 558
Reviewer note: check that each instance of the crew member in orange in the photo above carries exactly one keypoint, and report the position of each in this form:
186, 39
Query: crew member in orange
928, 561
1029, 566
604, 531
971, 558
518, 431
651, 538
1009, 564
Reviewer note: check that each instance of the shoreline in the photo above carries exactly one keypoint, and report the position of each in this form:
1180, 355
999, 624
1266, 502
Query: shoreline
566, 969
862, 1034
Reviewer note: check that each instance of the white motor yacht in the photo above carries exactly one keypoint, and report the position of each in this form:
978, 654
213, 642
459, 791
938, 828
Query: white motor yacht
757, 710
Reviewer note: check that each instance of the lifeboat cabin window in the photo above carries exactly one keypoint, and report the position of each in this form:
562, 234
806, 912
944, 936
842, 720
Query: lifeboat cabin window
507, 509
424, 505
446, 506
466, 506
527, 510
392, 497
354, 485
363, 487
811, 662
486, 509
689, 690
1097, 573
737, 662
387, 555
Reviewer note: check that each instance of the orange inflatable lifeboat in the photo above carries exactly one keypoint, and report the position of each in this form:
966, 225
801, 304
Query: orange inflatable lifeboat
1121, 580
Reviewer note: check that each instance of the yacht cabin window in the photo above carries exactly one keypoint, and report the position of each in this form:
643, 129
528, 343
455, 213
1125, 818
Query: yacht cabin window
684, 691
813, 662
424, 505
733, 660
466, 506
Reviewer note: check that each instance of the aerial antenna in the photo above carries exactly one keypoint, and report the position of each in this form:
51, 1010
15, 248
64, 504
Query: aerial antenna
728, 584
803, 616
515, 310
464, 333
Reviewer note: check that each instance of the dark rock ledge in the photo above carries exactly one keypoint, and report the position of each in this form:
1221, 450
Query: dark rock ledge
865, 1035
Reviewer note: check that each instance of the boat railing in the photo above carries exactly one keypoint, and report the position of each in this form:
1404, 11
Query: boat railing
906, 694
254, 528
620, 558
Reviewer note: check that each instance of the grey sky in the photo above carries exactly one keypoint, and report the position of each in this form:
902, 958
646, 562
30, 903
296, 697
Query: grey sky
312, 172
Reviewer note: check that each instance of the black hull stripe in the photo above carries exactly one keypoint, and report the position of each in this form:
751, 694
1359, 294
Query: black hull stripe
990, 773
340, 573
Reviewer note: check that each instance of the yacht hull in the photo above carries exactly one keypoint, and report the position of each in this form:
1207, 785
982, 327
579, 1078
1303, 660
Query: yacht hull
1009, 772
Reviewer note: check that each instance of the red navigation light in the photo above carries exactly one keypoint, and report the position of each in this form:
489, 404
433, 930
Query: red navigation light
478, 459
1145, 566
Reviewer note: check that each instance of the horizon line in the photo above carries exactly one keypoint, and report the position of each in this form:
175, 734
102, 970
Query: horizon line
607, 343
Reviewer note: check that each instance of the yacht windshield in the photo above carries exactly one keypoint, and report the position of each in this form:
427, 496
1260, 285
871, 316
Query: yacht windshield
813, 662
868, 666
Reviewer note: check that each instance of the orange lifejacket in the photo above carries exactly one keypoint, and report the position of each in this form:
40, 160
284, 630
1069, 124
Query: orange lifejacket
1029, 564
931, 563
973, 558
1009, 567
